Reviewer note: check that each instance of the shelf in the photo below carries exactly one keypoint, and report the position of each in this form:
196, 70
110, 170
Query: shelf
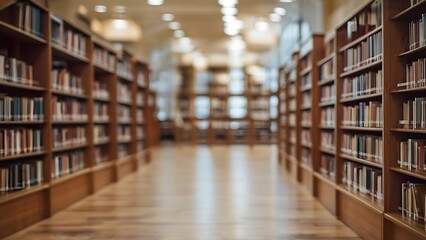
71, 176
325, 178
402, 130
291, 158
306, 125
407, 223
125, 159
124, 122
305, 71
326, 59
139, 139
67, 54
412, 173
409, 90
100, 99
19, 156
362, 161
326, 104
69, 148
62, 93
360, 98
8, 84
306, 167
369, 201
363, 129
124, 141
68, 122
360, 39
364, 68
413, 52
10, 196
305, 107
125, 103
327, 151
102, 166
326, 81
327, 127
412, 11
101, 142
20, 35
102, 69
305, 88
22, 122
125, 78
101, 121
305, 145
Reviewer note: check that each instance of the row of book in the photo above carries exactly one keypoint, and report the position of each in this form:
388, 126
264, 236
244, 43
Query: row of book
124, 113
140, 146
260, 103
328, 165
328, 93
414, 114
100, 89
364, 84
305, 136
306, 156
363, 179
140, 99
67, 109
101, 155
124, 69
417, 33
328, 117
124, 92
291, 90
306, 61
292, 137
306, 81
101, 112
306, 118
65, 81
100, 133
365, 114
414, 2
104, 58
327, 71
139, 116
20, 141
124, 133
67, 37
365, 53
292, 120
122, 150
415, 75
20, 175
306, 100
15, 71
413, 201
366, 21
141, 80
292, 105
67, 163
367, 147
140, 132
68, 136
328, 140
412, 154
21, 108
28, 17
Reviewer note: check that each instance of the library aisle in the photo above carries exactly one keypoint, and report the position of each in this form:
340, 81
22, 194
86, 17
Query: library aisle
198, 192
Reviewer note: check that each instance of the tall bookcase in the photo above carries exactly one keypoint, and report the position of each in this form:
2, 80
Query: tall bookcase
58, 114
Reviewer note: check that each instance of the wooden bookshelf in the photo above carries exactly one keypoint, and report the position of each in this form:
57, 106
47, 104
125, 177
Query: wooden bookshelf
62, 75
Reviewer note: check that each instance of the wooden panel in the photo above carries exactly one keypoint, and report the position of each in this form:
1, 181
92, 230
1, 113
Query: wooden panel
307, 180
363, 220
396, 232
32, 208
326, 194
69, 192
125, 168
102, 178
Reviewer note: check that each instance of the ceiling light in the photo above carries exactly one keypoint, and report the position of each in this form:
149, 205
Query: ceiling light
179, 33
231, 31
174, 25
238, 24
287, 1
100, 8
119, 23
280, 11
168, 17
261, 26
82, 10
228, 18
121, 30
229, 11
155, 2
185, 40
120, 9
274, 17
228, 3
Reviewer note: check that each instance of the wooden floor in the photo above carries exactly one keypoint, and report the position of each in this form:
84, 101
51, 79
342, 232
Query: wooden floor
221, 192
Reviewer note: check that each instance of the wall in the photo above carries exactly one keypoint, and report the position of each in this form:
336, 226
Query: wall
336, 12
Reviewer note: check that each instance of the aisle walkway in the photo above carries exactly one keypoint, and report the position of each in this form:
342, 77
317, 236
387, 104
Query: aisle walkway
217, 193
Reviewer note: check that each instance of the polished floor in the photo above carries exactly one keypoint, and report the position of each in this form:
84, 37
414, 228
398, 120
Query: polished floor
198, 192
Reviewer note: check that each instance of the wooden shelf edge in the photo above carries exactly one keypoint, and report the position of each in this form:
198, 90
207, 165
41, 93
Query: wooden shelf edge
360, 39
22, 193
412, 173
125, 159
412, 51
359, 98
62, 50
306, 167
69, 148
367, 201
361, 69
102, 166
27, 155
22, 122
326, 59
363, 129
409, 90
406, 130
409, 10
326, 81
407, 223
68, 94
21, 86
30, 37
362, 161
325, 179
326, 151
60, 180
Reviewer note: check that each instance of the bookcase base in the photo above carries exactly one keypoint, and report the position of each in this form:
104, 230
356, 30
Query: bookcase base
103, 177
325, 192
125, 166
306, 178
363, 220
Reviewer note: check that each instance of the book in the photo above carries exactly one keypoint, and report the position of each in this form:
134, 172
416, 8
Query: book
20, 175
68, 136
21, 108
18, 141
363, 179
365, 114
367, 147
67, 163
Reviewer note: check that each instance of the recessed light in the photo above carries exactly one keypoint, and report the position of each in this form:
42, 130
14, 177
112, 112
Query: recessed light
155, 2
229, 11
261, 26
238, 24
174, 25
120, 9
168, 17
185, 40
101, 8
280, 11
179, 34
287, 1
274, 17
228, 18
231, 31
228, 3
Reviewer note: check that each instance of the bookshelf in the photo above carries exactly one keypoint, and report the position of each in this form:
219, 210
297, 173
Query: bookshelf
282, 115
186, 130
325, 150
59, 104
311, 52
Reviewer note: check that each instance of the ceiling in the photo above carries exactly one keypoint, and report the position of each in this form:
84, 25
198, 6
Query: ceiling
200, 19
